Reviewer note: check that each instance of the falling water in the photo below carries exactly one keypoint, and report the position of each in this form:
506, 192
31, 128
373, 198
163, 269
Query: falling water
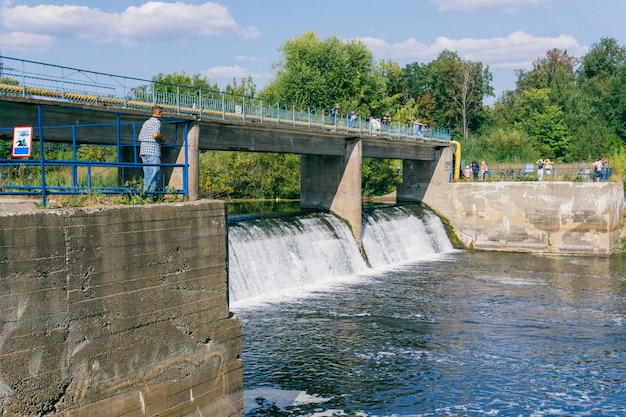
270, 256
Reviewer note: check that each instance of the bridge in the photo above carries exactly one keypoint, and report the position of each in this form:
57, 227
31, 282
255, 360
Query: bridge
68, 105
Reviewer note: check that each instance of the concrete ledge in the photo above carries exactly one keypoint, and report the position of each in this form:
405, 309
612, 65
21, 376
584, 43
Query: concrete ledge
118, 311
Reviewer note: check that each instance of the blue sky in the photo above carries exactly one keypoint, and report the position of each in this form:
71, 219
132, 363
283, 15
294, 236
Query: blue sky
226, 39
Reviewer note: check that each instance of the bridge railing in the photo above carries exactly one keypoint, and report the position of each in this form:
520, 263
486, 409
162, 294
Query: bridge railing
25, 78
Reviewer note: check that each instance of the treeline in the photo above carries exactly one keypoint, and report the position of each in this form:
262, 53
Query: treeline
566, 108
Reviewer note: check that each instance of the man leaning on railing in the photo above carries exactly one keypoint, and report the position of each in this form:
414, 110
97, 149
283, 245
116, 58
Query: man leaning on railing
150, 139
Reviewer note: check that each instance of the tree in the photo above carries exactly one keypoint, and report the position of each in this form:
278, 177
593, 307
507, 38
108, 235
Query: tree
321, 73
178, 83
543, 121
458, 88
394, 96
379, 177
466, 90
601, 80
603, 61
545, 70
246, 88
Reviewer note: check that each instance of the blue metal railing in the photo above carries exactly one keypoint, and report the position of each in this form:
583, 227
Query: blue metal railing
25, 78
73, 176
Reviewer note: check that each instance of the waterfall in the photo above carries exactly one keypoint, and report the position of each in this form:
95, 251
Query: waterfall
402, 233
272, 255
278, 255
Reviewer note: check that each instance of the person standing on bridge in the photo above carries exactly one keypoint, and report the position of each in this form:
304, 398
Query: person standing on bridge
352, 119
150, 139
385, 122
334, 113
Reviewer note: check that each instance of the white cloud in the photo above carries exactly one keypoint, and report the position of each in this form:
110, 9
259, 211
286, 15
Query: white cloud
503, 52
226, 72
19, 41
153, 21
223, 75
489, 5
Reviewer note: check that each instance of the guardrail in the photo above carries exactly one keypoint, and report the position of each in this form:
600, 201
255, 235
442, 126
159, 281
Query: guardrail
121, 173
32, 79
578, 171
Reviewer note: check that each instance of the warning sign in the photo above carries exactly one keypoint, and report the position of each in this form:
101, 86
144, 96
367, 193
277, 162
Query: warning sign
22, 141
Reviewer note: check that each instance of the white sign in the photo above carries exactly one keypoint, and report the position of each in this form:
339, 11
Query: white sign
22, 141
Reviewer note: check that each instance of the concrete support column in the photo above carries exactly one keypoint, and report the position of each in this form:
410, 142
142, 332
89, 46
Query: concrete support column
417, 176
177, 155
334, 183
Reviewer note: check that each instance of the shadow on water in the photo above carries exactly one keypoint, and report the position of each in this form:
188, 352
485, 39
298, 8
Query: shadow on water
260, 208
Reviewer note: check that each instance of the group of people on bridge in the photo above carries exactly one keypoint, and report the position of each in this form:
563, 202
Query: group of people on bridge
382, 124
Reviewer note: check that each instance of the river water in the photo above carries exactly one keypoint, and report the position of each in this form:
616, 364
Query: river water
440, 333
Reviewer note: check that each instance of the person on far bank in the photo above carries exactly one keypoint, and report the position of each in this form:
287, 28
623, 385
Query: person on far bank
540, 170
547, 167
484, 170
150, 140
475, 168
598, 168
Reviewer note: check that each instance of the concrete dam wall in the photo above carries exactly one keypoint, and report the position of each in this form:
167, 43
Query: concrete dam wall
118, 311
555, 217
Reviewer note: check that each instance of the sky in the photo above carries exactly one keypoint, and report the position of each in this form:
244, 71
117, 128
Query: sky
236, 39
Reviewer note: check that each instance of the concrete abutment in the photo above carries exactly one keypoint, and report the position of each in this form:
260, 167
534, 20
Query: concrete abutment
118, 311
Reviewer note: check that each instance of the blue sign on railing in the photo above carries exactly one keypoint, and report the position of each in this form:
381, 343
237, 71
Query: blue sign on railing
22, 141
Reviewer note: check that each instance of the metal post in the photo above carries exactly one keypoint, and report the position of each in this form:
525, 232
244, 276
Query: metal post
75, 158
261, 104
186, 166
41, 156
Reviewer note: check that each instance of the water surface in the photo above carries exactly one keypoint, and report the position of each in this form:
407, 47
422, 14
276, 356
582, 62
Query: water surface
456, 334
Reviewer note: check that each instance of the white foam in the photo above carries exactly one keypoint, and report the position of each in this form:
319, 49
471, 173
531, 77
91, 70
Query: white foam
279, 398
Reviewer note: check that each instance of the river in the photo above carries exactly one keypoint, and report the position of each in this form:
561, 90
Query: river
442, 333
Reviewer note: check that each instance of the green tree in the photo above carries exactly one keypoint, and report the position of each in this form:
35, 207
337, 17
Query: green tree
321, 73
458, 88
603, 61
545, 70
379, 177
249, 175
617, 102
543, 121
177, 83
247, 87
601, 81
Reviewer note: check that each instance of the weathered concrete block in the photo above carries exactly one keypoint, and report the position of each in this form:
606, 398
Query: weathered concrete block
118, 311
561, 217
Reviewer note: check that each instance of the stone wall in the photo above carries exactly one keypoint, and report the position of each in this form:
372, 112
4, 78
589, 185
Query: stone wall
118, 311
556, 217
